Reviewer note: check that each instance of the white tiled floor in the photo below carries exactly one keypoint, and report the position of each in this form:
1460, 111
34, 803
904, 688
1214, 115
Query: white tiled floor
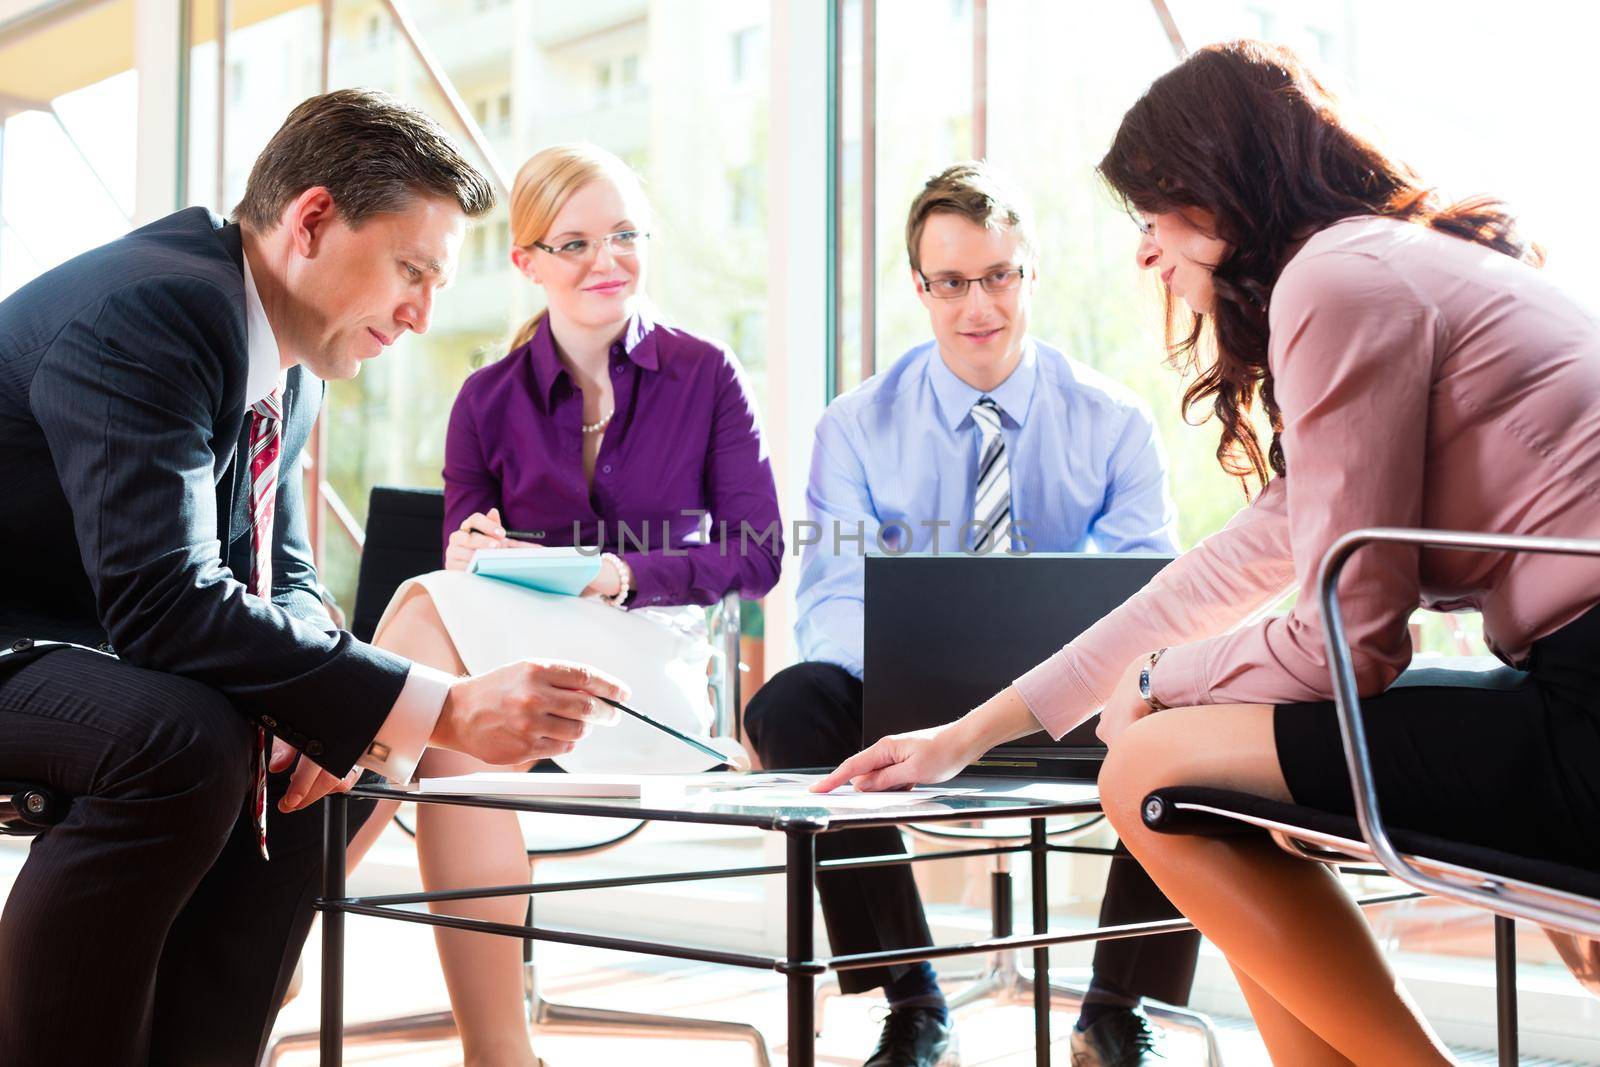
988, 1036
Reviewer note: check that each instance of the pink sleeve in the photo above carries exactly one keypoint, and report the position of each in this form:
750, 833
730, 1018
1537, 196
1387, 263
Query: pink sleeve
1240, 570
1352, 360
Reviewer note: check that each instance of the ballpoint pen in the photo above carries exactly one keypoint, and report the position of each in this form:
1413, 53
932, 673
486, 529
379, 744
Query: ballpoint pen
664, 728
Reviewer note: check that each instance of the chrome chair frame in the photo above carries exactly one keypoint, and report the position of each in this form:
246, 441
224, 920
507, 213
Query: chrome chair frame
1507, 898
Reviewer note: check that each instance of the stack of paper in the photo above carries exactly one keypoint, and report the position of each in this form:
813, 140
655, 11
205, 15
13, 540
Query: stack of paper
760, 790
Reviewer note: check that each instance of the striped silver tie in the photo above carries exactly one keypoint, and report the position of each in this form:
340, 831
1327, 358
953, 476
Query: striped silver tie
991, 501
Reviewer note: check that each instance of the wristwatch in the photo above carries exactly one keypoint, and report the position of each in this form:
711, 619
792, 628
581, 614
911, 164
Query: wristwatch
1144, 682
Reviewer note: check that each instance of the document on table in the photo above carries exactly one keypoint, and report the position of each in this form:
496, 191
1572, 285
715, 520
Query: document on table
542, 784
758, 790
797, 793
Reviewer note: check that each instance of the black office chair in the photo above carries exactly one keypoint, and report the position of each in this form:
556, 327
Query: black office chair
1556, 896
403, 540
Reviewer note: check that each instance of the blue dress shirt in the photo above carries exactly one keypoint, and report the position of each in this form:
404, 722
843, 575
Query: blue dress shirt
896, 460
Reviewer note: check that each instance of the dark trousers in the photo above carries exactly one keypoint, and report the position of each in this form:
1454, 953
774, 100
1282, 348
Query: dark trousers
809, 715
146, 927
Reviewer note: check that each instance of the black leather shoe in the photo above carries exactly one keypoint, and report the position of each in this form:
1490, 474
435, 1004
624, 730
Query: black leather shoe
1119, 1039
913, 1037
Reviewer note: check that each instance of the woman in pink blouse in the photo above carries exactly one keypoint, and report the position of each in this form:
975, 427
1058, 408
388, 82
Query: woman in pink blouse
1416, 370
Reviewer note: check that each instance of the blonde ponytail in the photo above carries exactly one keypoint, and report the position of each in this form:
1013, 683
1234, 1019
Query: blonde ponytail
526, 331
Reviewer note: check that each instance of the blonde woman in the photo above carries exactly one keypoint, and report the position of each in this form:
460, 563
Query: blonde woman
601, 428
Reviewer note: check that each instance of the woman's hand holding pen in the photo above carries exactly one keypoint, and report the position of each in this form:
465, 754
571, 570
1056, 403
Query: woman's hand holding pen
487, 530
478, 530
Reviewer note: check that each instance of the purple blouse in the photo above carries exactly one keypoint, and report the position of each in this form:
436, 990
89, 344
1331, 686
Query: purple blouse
683, 487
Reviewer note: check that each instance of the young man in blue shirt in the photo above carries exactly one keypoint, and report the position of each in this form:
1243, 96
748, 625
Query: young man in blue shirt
981, 440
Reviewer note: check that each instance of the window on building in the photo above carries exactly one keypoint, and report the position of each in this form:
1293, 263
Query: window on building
503, 115
747, 205
746, 53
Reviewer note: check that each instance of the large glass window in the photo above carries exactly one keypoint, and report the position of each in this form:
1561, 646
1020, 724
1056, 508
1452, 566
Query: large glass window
1054, 81
68, 141
620, 73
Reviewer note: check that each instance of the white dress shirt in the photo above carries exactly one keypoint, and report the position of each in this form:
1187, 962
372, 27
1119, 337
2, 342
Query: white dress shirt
404, 734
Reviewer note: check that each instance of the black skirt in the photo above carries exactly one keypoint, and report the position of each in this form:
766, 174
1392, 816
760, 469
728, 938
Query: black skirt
1507, 759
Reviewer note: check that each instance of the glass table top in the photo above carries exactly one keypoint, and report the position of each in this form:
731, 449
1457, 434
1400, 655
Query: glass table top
969, 798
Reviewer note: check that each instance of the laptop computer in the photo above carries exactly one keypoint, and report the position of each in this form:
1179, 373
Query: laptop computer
945, 633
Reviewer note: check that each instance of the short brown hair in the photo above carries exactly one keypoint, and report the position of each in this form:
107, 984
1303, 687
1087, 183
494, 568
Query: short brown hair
973, 191
370, 151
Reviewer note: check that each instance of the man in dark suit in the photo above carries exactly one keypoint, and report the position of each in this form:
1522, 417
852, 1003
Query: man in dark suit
160, 615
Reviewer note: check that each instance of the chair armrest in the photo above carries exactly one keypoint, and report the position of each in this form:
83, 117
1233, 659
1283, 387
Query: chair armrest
1484, 890
27, 809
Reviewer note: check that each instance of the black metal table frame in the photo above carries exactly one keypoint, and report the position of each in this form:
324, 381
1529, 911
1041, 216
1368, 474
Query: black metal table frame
800, 868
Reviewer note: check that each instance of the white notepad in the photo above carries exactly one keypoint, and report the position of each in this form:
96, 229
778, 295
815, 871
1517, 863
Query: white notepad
563, 571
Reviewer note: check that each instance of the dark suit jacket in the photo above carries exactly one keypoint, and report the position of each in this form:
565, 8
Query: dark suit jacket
124, 492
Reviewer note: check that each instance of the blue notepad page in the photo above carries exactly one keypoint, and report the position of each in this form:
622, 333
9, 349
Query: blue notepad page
563, 571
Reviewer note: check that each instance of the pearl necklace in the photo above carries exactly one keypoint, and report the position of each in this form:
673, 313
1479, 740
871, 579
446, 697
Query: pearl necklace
596, 427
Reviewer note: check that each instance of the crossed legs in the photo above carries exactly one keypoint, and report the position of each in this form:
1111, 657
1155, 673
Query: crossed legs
459, 847
1317, 983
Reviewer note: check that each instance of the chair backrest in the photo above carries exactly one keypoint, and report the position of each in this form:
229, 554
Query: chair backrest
404, 539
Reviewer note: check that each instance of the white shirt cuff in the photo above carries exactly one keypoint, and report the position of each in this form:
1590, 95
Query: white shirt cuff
404, 734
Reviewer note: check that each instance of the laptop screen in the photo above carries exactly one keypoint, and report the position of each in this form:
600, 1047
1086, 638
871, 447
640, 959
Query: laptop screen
945, 633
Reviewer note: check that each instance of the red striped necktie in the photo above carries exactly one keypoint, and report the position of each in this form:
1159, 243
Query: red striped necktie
266, 441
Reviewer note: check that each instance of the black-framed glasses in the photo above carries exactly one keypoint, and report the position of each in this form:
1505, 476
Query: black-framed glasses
949, 287
621, 243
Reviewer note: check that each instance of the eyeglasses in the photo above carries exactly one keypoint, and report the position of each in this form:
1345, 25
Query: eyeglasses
621, 243
950, 288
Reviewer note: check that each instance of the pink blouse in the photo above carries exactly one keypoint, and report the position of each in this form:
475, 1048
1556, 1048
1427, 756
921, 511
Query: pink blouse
1425, 381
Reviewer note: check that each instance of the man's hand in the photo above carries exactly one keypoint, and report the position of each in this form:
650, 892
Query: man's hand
526, 711
309, 783
1125, 707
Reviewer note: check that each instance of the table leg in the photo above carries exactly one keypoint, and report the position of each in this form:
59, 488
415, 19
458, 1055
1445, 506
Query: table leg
800, 881
335, 820
1041, 956
1505, 981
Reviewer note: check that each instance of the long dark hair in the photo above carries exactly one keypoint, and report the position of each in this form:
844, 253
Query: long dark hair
1244, 131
